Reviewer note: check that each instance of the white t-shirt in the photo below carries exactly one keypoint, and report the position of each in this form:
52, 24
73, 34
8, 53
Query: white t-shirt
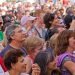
7, 73
1, 71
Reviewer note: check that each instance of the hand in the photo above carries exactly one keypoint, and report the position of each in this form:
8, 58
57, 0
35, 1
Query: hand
35, 69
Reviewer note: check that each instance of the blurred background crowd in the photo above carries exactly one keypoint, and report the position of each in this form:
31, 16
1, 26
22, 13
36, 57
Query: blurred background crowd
37, 37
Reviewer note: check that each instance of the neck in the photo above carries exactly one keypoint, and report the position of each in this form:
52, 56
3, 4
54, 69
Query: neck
70, 50
13, 72
32, 56
16, 45
49, 72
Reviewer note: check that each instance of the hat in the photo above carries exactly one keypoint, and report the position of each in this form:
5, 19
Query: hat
24, 19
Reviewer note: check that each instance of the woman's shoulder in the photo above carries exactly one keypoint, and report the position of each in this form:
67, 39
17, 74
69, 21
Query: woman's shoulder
63, 58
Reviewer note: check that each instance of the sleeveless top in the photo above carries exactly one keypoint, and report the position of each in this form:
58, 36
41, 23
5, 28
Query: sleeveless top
60, 61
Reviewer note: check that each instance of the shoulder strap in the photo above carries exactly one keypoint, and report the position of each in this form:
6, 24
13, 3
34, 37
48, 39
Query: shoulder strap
61, 57
38, 32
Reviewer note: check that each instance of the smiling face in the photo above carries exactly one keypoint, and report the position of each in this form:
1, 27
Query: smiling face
20, 66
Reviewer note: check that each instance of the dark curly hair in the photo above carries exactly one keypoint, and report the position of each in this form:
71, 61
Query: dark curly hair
48, 19
11, 57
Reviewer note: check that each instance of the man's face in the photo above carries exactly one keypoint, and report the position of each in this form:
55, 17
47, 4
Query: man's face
19, 34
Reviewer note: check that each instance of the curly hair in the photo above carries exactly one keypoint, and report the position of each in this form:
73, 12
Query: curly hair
48, 19
11, 57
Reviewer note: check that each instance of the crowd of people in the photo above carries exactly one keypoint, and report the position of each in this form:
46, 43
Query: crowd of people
37, 39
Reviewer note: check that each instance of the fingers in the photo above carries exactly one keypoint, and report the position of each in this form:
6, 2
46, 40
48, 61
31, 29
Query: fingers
35, 69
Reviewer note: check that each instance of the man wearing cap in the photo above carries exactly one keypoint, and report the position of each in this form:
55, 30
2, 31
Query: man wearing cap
28, 23
15, 36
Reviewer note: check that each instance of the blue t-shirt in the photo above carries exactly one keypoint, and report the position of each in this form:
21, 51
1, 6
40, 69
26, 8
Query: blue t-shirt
8, 47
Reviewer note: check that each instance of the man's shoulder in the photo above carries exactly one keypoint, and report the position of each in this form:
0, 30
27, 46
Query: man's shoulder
8, 47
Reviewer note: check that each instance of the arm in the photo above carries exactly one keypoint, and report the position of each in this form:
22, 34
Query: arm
70, 66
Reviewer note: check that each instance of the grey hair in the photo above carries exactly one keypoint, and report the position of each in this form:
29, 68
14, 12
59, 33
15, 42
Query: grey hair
9, 31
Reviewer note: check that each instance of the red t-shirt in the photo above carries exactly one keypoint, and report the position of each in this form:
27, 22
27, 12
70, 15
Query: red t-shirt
65, 2
2, 64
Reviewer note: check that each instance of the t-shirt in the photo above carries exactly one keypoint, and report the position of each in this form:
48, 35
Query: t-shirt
8, 47
67, 58
2, 65
62, 59
7, 73
1, 71
1, 35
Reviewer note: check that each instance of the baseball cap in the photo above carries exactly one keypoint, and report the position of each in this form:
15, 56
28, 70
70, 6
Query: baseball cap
24, 19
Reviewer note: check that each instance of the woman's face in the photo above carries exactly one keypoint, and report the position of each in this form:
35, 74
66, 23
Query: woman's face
52, 65
58, 14
20, 66
55, 21
72, 43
